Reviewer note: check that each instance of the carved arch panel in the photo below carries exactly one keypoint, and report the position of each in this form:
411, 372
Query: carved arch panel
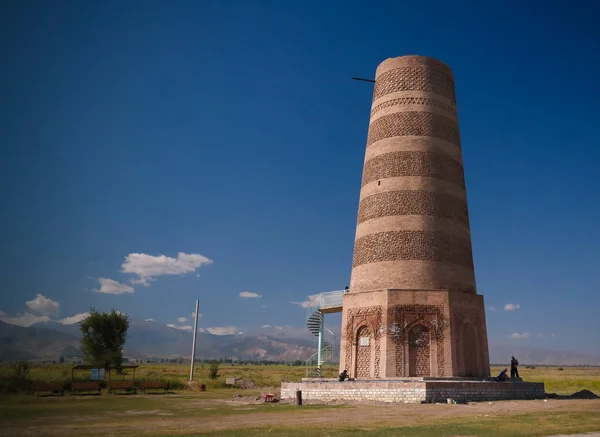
363, 352
419, 351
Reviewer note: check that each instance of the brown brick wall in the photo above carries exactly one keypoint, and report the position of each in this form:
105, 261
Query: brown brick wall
413, 123
414, 78
402, 101
412, 245
413, 202
470, 350
413, 163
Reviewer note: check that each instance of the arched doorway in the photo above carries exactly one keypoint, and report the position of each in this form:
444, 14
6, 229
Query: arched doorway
363, 352
469, 352
419, 355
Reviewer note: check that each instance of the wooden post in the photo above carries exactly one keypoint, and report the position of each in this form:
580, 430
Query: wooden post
298, 397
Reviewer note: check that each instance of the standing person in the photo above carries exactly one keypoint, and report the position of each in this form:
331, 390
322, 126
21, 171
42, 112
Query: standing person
514, 371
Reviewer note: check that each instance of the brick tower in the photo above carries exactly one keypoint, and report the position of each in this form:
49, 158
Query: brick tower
413, 307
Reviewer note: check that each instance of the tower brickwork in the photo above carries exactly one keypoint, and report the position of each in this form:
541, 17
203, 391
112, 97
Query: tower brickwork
413, 307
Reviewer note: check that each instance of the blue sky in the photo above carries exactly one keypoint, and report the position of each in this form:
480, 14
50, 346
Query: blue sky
230, 131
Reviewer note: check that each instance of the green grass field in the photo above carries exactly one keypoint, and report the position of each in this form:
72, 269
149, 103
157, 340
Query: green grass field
218, 411
566, 381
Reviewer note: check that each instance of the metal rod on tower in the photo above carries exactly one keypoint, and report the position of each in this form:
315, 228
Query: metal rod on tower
194, 343
364, 80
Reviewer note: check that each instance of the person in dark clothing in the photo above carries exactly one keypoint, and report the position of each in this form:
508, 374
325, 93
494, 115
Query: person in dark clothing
344, 375
503, 376
514, 371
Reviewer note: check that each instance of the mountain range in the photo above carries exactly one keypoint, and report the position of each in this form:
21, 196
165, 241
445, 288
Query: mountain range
51, 340
145, 339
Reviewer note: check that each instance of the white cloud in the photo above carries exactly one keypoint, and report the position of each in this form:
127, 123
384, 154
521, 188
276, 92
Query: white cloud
250, 295
511, 306
110, 286
42, 305
553, 335
198, 275
266, 326
540, 335
519, 336
26, 319
181, 328
182, 319
491, 308
142, 281
148, 320
146, 267
310, 302
73, 319
222, 330
194, 315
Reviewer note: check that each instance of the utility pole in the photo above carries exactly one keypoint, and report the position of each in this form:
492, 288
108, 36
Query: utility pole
194, 343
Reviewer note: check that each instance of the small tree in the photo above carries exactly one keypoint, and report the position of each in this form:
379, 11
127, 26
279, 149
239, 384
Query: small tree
21, 369
213, 370
103, 337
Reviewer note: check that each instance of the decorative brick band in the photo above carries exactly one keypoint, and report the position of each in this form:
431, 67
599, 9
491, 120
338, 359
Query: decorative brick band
414, 78
414, 202
413, 163
413, 61
412, 245
415, 101
417, 123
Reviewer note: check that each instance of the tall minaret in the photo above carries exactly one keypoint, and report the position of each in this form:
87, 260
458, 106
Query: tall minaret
412, 309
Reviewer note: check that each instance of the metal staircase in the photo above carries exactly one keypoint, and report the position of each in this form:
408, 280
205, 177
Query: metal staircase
314, 322
321, 304
313, 370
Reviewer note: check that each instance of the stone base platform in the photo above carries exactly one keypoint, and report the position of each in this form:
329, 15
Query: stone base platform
414, 390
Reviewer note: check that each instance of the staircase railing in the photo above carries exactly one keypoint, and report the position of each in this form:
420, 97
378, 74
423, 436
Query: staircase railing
326, 347
327, 356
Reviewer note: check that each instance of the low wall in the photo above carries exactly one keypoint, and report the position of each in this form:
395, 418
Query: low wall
413, 391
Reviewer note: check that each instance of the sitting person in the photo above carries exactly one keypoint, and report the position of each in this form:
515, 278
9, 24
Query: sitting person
344, 375
503, 376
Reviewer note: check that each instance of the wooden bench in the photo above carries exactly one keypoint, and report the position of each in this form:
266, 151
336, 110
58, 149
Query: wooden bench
155, 385
86, 386
52, 387
121, 385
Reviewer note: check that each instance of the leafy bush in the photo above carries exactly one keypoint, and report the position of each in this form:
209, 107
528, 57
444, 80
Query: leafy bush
17, 382
561, 369
213, 370
21, 369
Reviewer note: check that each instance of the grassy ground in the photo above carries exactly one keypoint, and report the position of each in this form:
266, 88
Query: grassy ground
178, 374
201, 414
219, 412
566, 381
